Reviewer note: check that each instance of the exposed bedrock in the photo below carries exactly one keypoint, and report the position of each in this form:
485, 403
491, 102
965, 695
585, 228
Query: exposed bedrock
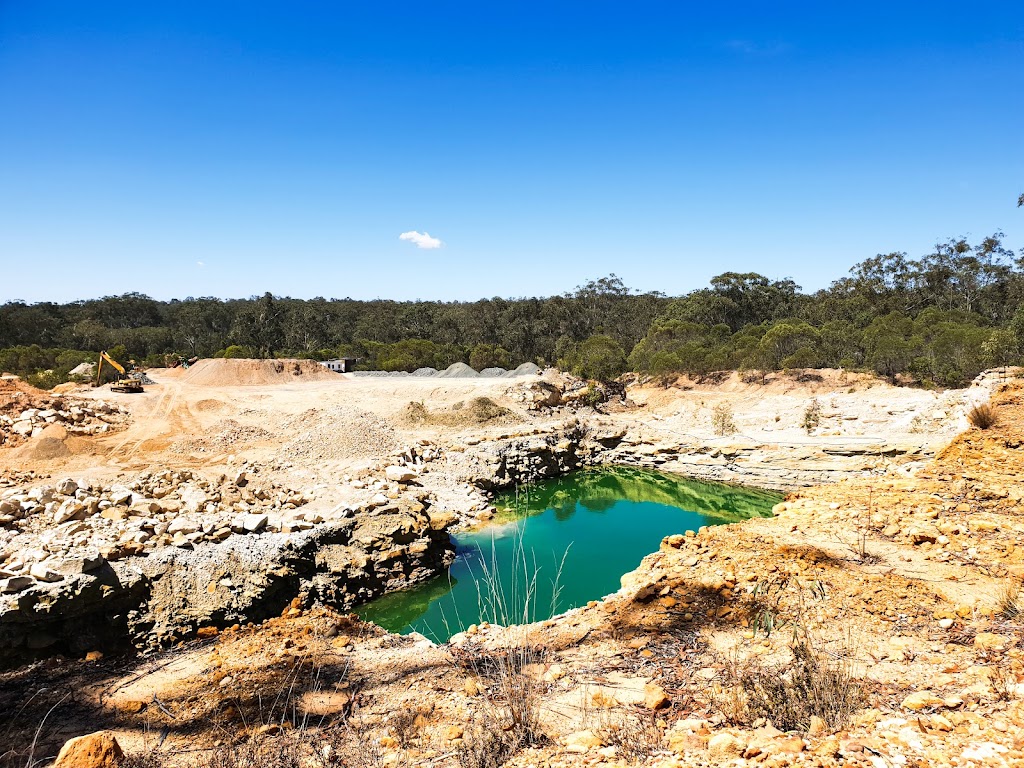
174, 593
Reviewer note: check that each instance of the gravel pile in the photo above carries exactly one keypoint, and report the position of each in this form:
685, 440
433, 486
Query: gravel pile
337, 433
52, 531
526, 369
224, 434
459, 371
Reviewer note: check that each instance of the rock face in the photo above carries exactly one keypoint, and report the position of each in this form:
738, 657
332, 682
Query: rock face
174, 592
84, 612
96, 750
517, 462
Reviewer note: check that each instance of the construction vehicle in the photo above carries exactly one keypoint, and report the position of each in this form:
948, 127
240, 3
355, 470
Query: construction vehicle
126, 382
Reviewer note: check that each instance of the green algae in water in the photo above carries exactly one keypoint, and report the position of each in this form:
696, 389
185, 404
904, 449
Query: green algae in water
584, 531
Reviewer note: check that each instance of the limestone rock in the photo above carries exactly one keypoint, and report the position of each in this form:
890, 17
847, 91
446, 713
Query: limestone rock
96, 750
254, 523
655, 696
725, 744
921, 700
582, 741
399, 474
15, 584
43, 573
988, 641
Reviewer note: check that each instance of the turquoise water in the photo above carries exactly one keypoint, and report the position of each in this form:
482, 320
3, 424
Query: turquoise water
580, 532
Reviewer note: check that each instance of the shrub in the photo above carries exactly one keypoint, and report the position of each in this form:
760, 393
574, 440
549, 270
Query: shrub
811, 684
812, 416
489, 356
982, 416
599, 357
721, 419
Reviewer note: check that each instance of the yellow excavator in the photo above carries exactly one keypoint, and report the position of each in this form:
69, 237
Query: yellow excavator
126, 382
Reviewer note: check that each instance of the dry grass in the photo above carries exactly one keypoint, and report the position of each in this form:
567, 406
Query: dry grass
511, 695
812, 416
982, 416
634, 738
812, 683
1011, 600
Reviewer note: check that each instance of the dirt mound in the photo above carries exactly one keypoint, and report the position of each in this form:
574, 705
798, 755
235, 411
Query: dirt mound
479, 410
248, 373
54, 442
208, 405
341, 432
15, 394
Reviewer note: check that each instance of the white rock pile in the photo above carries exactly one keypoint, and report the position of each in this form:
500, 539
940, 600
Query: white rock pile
82, 417
69, 527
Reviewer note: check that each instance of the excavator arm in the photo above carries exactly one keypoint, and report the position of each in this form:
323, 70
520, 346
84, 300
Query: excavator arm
122, 386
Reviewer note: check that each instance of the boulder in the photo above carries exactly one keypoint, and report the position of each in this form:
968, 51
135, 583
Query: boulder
655, 696
582, 742
96, 750
193, 499
399, 474
254, 523
44, 573
15, 584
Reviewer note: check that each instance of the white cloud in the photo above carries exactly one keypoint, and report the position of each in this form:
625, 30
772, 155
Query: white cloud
200, 264
421, 239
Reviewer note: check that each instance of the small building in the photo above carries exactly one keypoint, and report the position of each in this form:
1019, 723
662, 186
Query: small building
341, 365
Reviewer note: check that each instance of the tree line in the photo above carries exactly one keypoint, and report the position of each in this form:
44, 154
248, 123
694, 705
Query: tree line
940, 318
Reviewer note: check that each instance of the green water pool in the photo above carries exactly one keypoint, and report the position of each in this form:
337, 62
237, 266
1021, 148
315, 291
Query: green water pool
580, 532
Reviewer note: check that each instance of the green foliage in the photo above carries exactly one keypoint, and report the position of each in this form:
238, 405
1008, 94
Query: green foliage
600, 357
235, 352
43, 367
489, 356
407, 355
1017, 327
942, 317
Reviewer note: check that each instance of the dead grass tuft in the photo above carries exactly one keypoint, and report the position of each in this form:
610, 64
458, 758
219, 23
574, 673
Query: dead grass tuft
634, 738
812, 683
982, 416
1011, 600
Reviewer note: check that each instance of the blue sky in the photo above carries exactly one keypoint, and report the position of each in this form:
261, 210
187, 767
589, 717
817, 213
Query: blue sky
230, 148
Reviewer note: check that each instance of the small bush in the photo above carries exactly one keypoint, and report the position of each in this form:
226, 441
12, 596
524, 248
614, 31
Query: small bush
812, 416
982, 416
811, 684
634, 738
721, 419
486, 747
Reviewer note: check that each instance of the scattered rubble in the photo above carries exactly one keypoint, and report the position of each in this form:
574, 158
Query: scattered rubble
25, 412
